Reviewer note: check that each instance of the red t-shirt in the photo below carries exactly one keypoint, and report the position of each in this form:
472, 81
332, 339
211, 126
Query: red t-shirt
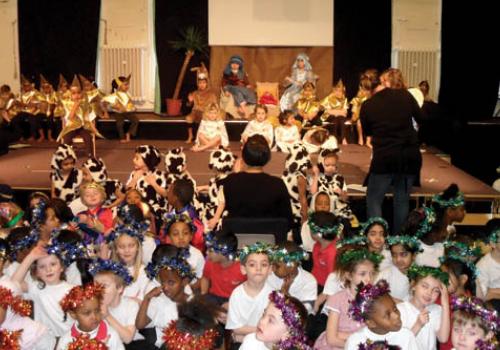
323, 261
104, 215
223, 280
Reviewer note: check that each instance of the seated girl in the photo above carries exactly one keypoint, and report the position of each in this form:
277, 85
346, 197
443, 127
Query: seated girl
308, 106
301, 73
260, 125
235, 82
212, 131
287, 133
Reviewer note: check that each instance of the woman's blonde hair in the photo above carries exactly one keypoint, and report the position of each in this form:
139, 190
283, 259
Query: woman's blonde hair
138, 257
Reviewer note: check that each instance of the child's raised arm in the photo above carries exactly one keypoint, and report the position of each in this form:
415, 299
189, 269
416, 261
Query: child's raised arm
444, 329
20, 274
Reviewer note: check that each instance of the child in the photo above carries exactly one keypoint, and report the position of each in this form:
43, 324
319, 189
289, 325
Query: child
308, 106
96, 217
159, 306
325, 228
281, 326
118, 310
449, 207
249, 300
235, 82
374, 307
212, 131
20, 241
356, 265
287, 133
488, 282
94, 96
474, 326
335, 106
376, 230
426, 319
123, 108
295, 178
83, 304
49, 101
260, 125
14, 315
94, 170
65, 177
320, 201
29, 109
301, 73
147, 179
222, 273
134, 197
366, 83
199, 99
317, 138
56, 215
48, 289
403, 252
289, 277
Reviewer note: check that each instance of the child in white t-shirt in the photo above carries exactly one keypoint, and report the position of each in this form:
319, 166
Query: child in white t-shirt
376, 230
374, 306
488, 281
259, 125
287, 133
249, 299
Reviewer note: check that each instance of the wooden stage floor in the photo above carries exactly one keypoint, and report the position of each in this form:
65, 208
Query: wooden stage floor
29, 168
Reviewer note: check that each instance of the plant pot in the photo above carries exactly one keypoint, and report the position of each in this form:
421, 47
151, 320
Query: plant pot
173, 107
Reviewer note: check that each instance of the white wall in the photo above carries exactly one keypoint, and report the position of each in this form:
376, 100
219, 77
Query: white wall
270, 22
9, 49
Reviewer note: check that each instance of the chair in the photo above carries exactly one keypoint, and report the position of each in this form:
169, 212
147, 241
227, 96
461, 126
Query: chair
251, 230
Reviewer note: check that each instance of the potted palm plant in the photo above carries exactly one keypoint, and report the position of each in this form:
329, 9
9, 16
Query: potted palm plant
192, 41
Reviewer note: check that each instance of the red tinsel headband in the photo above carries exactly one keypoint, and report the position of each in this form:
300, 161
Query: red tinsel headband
177, 340
77, 295
9, 340
16, 304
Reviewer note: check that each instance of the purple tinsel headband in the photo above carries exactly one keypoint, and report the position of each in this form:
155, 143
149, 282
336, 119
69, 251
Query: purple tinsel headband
359, 306
378, 345
475, 306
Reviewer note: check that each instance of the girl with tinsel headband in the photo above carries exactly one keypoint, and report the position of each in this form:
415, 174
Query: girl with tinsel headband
421, 314
83, 304
356, 265
289, 277
376, 231
375, 307
475, 327
450, 208
281, 327
488, 282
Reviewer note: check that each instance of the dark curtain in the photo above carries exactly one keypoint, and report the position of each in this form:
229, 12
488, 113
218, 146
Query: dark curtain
58, 36
362, 40
170, 18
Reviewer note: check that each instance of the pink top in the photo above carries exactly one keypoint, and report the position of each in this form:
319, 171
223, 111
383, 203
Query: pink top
339, 303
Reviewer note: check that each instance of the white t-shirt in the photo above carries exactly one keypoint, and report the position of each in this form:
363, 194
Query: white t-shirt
161, 311
148, 247
307, 241
426, 338
250, 342
125, 313
113, 340
73, 275
47, 309
137, 289
386, 261
255, 127
431, 254
404, 338
304, 287
196, 260
333, 284
398, 282
488, 273
245, 310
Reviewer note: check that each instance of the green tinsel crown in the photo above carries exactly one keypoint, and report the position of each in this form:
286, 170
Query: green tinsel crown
423, 271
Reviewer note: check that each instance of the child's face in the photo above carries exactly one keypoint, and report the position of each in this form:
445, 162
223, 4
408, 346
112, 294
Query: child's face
127, 248
290, 121
456, 214
454, 282
51, 220
67, 165
364, 272
139, 162
322, 202
76, 93
401, 258
180, 234
172, 284
49, 269
133, 197
385, 316
271, 327
338, 93
22, 253
112, 290
212, 115
330, 165
426, 291
281, 269
46, 88
202, 84
88, 316
215, 257
376, 239
171, 197
465, 334
27, 87
235, 66
123, 87
300, 63
260, 115
87, 177
92, 197
257, 268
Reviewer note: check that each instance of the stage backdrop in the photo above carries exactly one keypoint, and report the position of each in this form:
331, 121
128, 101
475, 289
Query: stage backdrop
58, 36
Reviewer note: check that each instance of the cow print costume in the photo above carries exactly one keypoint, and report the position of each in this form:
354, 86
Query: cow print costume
296, 165
99, 174
66, 186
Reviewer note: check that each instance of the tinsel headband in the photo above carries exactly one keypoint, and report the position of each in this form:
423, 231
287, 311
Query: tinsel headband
411, 242
491, 344
423, 271
378, 345
494, 236
78, 294
176, 263
175, 339
67, 252
10, 340
171, 219
282, 255
15, 303
256, 248
84, 342
324, 231
100, 265
463, 249
212, 244
372, 221
291, 316
38, 213
428, 219
135, 230
366, 295
354, 255
475, 306
353, 240
455, 202
23, 243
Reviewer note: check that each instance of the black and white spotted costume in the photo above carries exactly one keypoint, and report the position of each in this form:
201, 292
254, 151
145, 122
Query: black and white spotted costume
152, 157
99, 174
296, 165
66, 186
